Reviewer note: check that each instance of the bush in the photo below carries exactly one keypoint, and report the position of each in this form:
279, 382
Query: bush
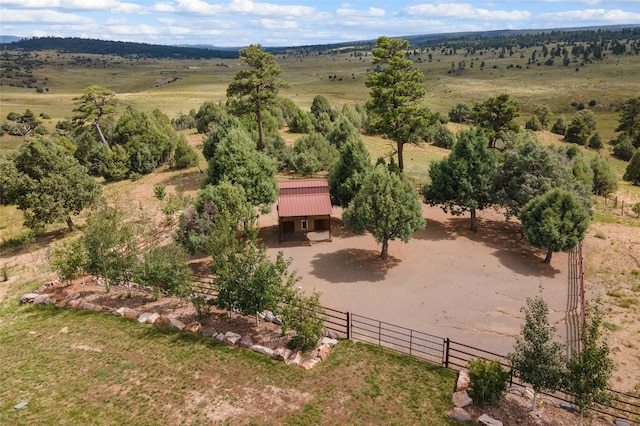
559, 127
185, 156
160, 192
624, 149
533, 124
488, 381
304, 315
443, 137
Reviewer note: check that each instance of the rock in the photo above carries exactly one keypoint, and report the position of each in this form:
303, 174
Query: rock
261, 315
295, 359
515, 391
64, 330
281, 353
207, 332
262, 350
461, 399
309, 363
459, 414
148, 317
463, 381
486, 420
193, 327
528, 393
230, 338
622, 422
220, 337
176, 324
125, 312
328, 341
90, 306
277, 321
333, 334
161, 321
28, 298
245, 341
569, 407
322, 352
43, 299
69, 298
268, 316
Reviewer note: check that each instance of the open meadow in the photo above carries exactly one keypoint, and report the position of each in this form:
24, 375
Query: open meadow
447, 280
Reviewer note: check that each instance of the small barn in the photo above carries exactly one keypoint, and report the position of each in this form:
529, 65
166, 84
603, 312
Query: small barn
304, 210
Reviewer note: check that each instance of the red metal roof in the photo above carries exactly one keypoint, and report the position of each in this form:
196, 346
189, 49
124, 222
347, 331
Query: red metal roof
304, 197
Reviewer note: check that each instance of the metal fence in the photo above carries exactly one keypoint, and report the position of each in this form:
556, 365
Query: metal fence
438, 350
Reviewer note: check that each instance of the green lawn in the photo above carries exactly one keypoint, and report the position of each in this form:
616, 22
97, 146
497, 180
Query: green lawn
82, 367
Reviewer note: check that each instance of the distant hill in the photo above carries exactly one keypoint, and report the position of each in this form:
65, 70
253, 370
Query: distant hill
119, 48
496, 39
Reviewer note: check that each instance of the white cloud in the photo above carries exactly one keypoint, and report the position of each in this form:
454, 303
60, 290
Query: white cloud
464, 11
591, 15
42, 16
371, 12
278, 24
163, 8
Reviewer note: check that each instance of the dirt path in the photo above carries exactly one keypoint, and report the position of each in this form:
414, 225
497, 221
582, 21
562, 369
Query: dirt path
447, 281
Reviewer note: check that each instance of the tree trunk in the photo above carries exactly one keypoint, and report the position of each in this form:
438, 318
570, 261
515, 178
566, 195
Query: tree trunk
385, 250
102, 138
534, 405
260, 131
548, 258
400, 158
474, 224
70, 224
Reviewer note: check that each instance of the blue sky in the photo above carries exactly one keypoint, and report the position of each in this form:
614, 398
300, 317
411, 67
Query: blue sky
295, 22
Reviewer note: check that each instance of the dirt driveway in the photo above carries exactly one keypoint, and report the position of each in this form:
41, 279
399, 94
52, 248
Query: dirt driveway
447, 281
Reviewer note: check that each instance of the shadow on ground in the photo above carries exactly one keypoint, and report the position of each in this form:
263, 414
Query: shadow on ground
352, 265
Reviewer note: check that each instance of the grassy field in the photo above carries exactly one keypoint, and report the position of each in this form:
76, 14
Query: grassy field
81, 367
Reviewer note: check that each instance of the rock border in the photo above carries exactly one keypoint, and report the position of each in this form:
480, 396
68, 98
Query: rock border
294, 358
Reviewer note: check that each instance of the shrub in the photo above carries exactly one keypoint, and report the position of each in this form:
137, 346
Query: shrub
184, 156
559, 127
533, 124
159, 191
443, 137
304, 315
624, 149
488, 381
636, 209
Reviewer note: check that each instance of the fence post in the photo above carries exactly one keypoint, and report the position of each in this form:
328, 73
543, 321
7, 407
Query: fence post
379, 333
348, 326
410, 340
446, 353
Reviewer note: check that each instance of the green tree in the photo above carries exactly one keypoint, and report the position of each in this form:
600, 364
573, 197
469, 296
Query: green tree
48, 184
95, 103
559, 127
629, 123
321, 104
529, 169
341, 132
221, 132
387, 206
301, 122
533, 124
165, 270
69, 259
396, 90
305, 316
236, 160
256, 88
554, 221
184, 156
632, 172
348, 174
249, 281
590, 368
463, 181
624, 149
605, 181
111, 242
460, 112
581, 127
495, 115
209, 115
543, 113
488, 381
536, 359
313, 148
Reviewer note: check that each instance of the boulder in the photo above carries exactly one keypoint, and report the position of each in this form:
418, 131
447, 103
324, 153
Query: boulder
126, 312
43, 299
333, 334
459, 414
161, 321
262, 350
245, 341
461, 399
569, 407
207, 332
281, 353
486, 420
193, 327
230, 338
322, 352
28, 298
309, 363
277, 321
90, 307
176, 324
295, 359
463, 381
220, 337
528, 393
622, 422
328, 341
148, 317
69, 298
268, 316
